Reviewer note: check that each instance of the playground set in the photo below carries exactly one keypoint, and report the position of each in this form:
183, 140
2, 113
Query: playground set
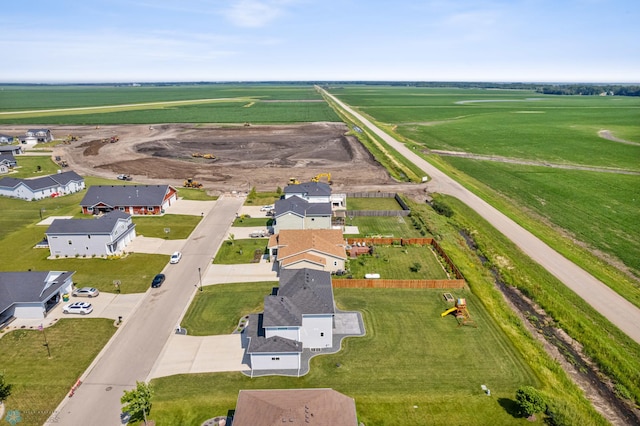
459, 310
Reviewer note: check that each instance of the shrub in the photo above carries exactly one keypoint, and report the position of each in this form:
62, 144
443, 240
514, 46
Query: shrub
441, 208
530, 401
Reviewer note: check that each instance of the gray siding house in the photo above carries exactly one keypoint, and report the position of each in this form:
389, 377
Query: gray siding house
103, 236
42, 187
297, 213
298, 316
317, 192
38, 135
8, 159
11, 149
31, 294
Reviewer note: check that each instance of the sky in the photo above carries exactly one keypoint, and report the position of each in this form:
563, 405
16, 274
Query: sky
84, 41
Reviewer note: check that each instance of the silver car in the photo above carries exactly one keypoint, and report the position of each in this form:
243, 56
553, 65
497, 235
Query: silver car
85, 292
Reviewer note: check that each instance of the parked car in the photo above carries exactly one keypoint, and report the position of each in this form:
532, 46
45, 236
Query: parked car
124, 177
81, 308
85, 292
157, 280
259, 234
267, 208
175, 257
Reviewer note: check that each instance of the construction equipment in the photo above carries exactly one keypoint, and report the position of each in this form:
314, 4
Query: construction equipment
114, 139
71, 138
63, 164
209, 156
293, 181
190, 183
247, 124
317, 178
196, 154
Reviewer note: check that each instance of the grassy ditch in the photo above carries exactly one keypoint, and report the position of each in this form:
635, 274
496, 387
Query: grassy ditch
617, 355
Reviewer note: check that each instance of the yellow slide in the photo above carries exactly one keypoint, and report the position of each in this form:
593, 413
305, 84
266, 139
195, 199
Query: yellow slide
447, 312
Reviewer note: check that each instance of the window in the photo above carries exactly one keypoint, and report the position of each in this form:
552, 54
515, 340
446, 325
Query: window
150, 208
89, 236
89, 209
70, 242
121, 209
275, 358
321, 334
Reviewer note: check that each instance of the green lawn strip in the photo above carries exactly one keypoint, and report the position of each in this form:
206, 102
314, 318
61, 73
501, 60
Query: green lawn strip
219, 308
384, 226
180, 226
354, 203
263, 198
615, 353
195, 194
398, 262
418, 358
239, 251
248, 222
40, 383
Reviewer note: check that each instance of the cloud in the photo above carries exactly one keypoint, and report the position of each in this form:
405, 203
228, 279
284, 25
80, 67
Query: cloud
255, 13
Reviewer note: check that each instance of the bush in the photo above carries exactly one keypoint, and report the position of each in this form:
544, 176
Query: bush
530, 401
441, 208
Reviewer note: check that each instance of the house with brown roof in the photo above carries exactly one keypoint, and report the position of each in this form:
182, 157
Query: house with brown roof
320, 249
295, 407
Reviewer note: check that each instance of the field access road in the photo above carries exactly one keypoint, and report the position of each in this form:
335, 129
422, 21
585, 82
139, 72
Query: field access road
132, 352
604, 300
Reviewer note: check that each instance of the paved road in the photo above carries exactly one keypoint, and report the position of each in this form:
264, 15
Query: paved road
607, 302
132, 352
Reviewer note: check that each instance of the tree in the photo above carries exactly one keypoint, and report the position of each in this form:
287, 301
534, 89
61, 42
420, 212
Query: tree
5, 389
530, 401
278, 190
137, 402
253, 194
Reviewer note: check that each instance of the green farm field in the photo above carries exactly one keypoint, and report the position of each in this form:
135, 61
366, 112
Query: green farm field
175, 104
597, 208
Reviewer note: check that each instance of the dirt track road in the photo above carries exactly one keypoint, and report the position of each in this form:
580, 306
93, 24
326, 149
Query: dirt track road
607, 302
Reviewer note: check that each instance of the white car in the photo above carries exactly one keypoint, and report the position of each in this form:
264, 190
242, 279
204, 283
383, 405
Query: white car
81, 308
175, 257
266, 208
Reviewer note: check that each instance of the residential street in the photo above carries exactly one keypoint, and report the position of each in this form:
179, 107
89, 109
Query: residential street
607, 302
131, 353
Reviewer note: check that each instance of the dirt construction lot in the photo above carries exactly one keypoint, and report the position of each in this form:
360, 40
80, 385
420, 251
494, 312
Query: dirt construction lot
261, 156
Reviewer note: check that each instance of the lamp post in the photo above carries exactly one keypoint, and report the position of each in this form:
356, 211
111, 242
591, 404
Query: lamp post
200, 278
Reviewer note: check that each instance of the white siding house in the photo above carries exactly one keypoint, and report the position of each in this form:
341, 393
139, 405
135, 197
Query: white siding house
42, 187
103, 236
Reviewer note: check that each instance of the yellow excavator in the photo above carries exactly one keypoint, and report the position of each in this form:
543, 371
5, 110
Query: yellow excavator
190, 183
293, 181
317, 178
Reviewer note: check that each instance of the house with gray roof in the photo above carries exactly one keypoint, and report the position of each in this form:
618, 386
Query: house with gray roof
316, 192
8, 159
6, 139
31, 294
298, 316
132, 199
103, 236
38, 135
11, 149
297, 213
43, 187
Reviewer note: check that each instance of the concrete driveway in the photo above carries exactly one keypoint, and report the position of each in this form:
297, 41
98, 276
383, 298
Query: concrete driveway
244, 273
200, 354
142, 244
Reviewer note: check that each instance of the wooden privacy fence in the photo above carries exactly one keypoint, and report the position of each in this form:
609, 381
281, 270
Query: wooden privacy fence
377, 283
411, 241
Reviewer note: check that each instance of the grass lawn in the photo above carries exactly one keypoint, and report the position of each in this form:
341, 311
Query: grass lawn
28, 167
39, 383
385, 226
195, 194
239, 251
134, 270
180, 226
373, 204
396, 262
218, 308
412, 367
248, 222
262, 198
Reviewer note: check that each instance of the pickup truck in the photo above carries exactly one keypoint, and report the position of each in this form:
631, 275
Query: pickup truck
124, 177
